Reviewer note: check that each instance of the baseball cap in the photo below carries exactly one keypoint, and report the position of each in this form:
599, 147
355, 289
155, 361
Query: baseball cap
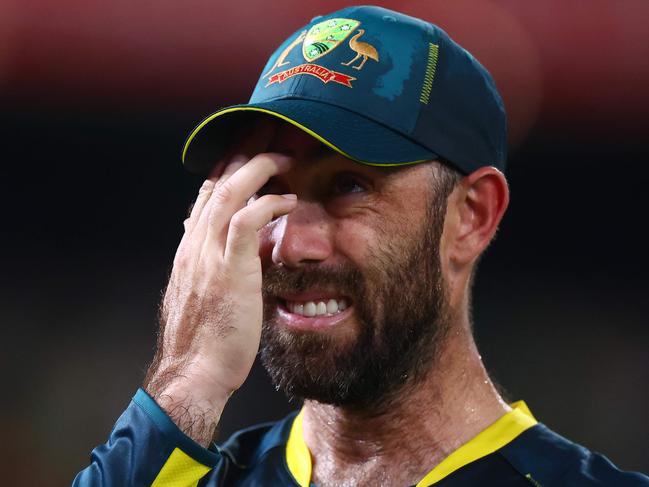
377, 86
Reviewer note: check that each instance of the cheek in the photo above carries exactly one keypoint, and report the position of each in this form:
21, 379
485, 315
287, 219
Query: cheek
368, 234
353, 240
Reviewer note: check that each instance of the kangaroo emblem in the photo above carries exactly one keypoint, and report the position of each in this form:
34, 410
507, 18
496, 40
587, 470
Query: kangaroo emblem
281, 59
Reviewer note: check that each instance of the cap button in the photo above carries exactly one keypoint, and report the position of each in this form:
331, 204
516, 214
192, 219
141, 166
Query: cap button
389, 18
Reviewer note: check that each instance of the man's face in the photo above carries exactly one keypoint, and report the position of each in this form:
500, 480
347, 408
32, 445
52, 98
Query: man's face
361, 238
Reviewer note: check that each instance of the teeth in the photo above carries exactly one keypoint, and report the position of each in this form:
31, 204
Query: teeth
319, 308
309, 309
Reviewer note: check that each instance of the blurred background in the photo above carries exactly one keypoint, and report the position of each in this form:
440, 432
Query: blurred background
96, 99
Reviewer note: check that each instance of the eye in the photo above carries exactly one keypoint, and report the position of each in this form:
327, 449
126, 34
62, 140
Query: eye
345, 183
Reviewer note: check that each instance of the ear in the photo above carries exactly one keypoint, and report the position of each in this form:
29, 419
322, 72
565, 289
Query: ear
477, 207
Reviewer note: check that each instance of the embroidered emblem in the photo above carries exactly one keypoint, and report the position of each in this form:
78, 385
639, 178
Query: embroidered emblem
326, 36
281, 59
362, 49
325, 75
318, 41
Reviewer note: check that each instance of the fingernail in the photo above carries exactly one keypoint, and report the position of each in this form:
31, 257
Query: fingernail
290, 196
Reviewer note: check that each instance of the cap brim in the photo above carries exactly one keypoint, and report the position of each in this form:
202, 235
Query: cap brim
348, 133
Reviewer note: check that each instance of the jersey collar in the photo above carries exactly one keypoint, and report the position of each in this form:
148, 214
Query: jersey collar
494, 437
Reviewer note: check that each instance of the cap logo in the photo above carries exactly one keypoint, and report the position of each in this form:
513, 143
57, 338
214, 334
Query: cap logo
326, 36
318, 41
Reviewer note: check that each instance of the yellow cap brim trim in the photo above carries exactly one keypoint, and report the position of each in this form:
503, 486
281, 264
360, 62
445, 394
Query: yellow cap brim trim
293, 122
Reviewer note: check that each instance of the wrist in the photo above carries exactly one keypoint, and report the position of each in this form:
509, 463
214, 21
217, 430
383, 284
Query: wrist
193, 404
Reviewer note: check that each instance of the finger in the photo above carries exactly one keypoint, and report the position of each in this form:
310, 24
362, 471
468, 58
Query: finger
243, 239
233, 166
241, 153
203, 197
234, 193
257, 141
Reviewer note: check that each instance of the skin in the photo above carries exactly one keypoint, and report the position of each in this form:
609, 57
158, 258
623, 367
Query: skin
212, 310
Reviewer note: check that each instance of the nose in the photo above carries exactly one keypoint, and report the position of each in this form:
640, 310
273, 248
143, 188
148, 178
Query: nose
303, 236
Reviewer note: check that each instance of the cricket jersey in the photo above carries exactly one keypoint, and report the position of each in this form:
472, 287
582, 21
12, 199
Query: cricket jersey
146, 448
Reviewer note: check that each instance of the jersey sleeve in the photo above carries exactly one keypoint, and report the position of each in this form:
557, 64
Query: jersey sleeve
146, 447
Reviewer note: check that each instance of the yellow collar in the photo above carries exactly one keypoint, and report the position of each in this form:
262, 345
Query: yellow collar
497, 435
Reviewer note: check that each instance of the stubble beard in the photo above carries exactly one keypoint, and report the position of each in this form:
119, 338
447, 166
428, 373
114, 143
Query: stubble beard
402, 311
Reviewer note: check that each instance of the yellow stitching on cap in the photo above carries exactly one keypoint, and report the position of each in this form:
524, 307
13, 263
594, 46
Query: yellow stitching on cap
431, 66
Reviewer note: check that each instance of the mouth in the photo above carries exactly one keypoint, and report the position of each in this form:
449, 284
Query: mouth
313, 310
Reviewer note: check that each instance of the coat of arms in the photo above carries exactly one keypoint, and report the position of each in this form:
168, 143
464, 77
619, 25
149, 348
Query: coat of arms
319, 40
325, 36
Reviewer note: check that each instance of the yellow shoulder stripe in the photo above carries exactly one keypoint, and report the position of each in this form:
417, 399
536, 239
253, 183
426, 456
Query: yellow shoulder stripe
494, 437
180, 470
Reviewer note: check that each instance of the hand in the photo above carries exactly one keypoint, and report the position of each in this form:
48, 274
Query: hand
212, 309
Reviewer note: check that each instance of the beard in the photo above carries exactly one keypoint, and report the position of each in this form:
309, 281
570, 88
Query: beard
401, 308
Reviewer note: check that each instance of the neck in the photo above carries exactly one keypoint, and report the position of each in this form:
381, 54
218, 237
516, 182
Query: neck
453, 403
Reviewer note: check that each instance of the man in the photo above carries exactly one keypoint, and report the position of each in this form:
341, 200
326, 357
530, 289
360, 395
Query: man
341, 228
